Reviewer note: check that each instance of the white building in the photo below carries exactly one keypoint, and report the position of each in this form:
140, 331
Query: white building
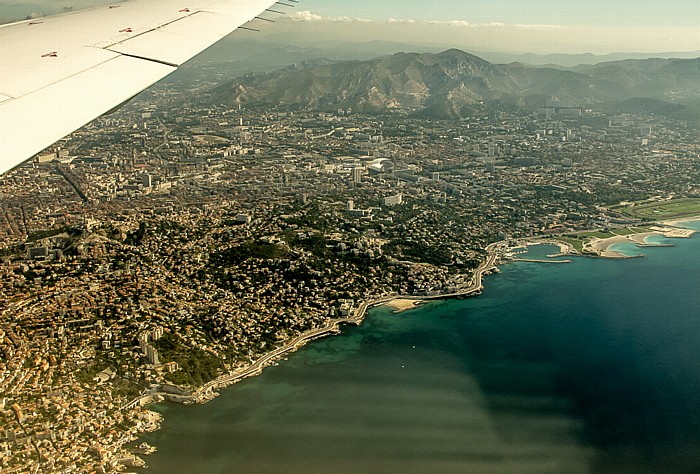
394, 200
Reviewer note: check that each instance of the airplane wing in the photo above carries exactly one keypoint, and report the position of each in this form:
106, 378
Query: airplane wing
58, 73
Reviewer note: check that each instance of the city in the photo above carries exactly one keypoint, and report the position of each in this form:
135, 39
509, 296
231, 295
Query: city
175, 242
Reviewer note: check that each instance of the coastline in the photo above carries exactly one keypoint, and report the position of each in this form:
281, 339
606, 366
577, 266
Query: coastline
402, 304
601, 247
208, 391
598, 248
681, 220
398, 302
317, 390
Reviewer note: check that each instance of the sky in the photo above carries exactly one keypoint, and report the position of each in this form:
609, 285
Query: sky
537, 26
551, 12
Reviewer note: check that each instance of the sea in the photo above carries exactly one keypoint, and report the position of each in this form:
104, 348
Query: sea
591, 366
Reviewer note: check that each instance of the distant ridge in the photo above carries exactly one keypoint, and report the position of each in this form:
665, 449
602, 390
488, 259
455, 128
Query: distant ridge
573, 60
454, 84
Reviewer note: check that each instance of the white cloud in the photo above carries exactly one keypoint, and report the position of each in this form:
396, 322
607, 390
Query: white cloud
347, 19
459, 23
309, 16
394, 20
305, 16
494, 24
467, 24
540, 27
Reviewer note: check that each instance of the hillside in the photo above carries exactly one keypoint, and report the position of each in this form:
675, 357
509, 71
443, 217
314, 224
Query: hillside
452, 84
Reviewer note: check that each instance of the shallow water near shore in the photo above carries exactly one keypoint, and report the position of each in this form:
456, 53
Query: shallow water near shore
590, 366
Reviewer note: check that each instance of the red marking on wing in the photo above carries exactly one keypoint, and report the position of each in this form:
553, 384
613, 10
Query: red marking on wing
52, 54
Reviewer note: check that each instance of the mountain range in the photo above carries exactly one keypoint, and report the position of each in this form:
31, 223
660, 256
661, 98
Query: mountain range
455, 84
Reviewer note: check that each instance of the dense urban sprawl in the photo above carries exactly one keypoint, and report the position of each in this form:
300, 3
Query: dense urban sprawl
175, 242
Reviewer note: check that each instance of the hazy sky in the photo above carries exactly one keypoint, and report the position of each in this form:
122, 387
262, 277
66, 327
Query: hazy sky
555, 12
540, 26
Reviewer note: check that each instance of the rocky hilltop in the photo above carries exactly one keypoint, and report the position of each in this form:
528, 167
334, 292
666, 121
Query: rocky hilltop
454, 84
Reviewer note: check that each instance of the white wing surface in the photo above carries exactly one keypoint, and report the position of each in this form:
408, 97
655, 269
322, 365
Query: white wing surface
59, 73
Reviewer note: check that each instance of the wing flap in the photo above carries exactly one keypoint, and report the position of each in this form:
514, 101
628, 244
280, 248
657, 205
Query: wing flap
241, 10
33, 122
58, 73
43, 66
38, 53
180, 40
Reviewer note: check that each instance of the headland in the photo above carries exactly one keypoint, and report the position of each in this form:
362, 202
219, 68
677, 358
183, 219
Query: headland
599, 243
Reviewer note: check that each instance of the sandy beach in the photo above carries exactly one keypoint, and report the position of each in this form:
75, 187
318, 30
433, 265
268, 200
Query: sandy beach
402, 304
601, 247
675, 222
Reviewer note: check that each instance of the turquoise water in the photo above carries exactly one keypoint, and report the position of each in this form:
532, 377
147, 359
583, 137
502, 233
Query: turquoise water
591, 366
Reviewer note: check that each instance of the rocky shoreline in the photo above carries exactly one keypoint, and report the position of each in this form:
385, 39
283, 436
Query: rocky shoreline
209, 391
495, 251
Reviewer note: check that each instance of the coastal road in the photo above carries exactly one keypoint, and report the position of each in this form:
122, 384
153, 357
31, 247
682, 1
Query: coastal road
207, 391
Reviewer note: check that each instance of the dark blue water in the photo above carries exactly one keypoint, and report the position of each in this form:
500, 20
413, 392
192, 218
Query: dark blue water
592, 366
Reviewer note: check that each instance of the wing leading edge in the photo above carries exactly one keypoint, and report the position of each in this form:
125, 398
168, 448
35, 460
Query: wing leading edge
59, 73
